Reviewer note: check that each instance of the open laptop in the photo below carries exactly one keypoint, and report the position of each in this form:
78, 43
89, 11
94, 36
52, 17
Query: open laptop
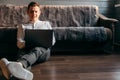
39, 37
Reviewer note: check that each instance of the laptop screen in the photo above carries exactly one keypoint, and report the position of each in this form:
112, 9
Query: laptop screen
39, 37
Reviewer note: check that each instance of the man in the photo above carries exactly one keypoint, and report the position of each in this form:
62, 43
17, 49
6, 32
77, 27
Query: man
27, 56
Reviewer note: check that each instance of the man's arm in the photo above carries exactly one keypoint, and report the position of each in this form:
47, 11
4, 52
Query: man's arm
49, 27
20, 37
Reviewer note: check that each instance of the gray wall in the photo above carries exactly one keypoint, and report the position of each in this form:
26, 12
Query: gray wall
106, 7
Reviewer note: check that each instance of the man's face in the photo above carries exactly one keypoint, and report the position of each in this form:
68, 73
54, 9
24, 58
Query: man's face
34, 13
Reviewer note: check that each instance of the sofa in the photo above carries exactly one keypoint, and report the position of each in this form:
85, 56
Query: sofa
78, 28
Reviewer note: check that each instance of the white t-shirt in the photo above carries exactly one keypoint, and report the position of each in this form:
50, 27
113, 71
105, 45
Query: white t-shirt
37, 25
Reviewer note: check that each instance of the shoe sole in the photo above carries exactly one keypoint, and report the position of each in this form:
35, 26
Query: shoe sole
4, 70
19, 72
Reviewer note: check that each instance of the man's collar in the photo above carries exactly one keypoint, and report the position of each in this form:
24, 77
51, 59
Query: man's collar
33, 22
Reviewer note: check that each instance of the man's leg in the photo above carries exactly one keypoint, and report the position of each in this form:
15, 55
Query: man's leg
37, 54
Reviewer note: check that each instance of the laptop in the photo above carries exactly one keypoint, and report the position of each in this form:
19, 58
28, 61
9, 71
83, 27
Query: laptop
38, 37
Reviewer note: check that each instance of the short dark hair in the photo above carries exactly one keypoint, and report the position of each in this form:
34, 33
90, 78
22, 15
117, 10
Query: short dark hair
32, 4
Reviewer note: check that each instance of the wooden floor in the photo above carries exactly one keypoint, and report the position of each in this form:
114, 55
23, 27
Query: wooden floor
79, 67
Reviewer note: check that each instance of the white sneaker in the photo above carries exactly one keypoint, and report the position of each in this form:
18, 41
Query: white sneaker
3, 65
17, 70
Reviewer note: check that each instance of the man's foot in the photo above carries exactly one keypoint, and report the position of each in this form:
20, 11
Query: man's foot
17, 70
3, 66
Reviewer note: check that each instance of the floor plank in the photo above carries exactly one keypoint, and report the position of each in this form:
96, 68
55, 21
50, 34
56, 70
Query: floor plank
79, 67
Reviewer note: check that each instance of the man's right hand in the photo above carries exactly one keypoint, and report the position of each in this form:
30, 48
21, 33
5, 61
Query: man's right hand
20, 45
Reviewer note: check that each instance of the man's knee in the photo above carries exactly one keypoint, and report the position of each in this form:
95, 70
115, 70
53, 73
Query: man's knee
44, 56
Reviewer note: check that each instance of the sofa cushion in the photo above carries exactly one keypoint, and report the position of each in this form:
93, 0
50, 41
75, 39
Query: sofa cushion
80, 34
8, 35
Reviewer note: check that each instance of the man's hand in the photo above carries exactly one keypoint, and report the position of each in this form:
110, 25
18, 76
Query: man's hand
20, 45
